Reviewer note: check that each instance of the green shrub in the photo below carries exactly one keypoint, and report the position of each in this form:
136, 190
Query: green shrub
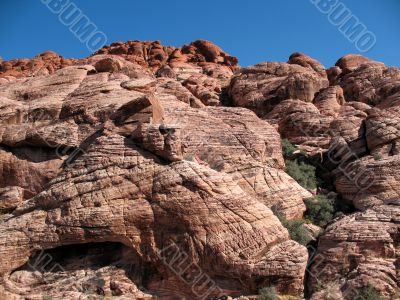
302, 172
367, 293
189, 157
378, 156
287, 148
268, 293
321, 209
296, 229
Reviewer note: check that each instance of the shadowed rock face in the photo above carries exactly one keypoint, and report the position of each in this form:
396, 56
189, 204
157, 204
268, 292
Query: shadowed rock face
130, 158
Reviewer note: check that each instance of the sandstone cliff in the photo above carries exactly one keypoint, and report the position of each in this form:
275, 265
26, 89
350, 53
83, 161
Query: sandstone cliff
163, 167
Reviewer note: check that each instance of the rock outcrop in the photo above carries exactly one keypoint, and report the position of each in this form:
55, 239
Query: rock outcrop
263, 86
357, 251
349, 126
133, 158
43, 64
114, 152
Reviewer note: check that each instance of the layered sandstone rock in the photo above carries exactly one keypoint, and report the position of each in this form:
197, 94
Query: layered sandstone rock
370, 83
106, 152
154, 55
303, 124
307, 62
10, 198
130, 157
263, 86
360, 250
352, 125
352, 62
43, 64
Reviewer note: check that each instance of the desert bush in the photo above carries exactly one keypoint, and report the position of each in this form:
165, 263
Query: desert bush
366, 293
189, 158
295, 228
287, 148
297, 231
302, 172
298, 168
378, 156
321, 209
268, 293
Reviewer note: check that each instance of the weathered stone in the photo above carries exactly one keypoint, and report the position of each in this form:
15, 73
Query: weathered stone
119, 156
359, 250
307, 62
265, 85
10, 198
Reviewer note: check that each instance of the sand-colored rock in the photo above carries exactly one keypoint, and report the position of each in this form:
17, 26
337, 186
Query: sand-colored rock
115, 155
359, 250
130, 155
265, 85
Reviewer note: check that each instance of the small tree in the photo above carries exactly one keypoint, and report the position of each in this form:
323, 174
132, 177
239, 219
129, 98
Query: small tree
321, 209
302, 172
287, 148
268, 293
367, 293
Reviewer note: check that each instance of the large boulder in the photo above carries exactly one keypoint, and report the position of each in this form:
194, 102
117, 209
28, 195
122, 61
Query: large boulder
357, 251
265, 85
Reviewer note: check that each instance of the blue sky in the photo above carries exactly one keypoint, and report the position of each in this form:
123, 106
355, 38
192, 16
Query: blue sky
252, 30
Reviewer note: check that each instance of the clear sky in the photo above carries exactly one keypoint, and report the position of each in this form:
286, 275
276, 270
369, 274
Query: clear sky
252, 30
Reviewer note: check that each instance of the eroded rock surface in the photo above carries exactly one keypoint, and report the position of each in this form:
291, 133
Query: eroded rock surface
265, 85
132, 153
360, 250
112, 150
351, 128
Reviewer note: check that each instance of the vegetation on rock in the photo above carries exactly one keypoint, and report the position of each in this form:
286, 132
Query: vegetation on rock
268, 293
366, 293
298, 168
321, 209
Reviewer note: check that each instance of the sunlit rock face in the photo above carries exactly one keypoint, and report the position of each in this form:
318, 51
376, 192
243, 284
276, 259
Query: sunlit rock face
146, 159
129, 153
350, 125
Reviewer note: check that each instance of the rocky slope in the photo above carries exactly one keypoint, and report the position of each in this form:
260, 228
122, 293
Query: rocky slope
162, 167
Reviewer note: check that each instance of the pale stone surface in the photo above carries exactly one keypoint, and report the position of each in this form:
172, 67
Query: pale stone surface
351, 128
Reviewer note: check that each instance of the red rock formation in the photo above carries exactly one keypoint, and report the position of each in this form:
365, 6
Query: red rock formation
353, 125
114, 154
132, 148
43, 64
351, 62
307, 62
358, 250
154, 55
263, 86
